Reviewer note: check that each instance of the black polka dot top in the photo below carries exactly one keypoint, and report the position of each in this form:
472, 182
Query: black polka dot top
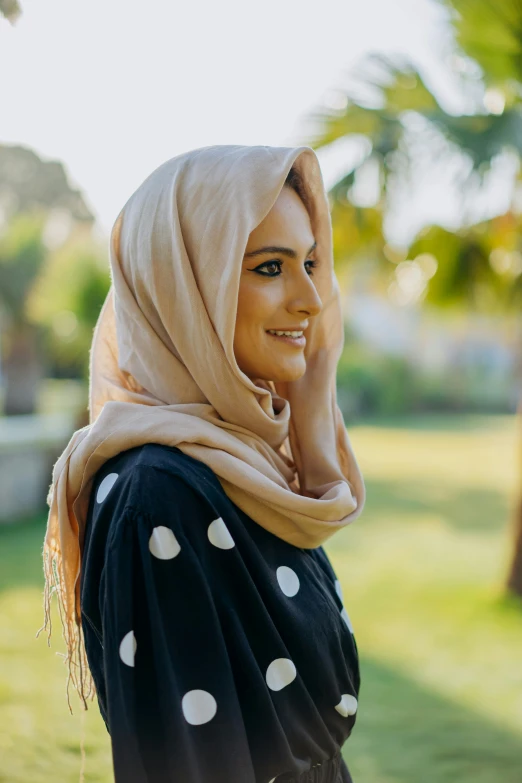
220, 653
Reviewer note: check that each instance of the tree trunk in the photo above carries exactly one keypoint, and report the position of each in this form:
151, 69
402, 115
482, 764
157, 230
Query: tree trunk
22, 370
514, 579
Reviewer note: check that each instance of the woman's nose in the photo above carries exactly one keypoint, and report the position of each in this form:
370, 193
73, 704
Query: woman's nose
304, 297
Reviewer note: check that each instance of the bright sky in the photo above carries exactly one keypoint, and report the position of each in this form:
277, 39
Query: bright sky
112, 88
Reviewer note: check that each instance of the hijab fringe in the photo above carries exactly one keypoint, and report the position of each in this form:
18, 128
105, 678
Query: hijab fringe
78, 671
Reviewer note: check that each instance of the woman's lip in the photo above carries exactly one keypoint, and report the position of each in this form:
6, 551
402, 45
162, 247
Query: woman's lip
296, 342
300, 328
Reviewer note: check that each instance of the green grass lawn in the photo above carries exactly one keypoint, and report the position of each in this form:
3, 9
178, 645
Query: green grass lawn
422, 573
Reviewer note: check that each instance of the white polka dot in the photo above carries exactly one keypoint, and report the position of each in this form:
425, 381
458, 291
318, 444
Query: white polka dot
280, 673
163, 543
219, 536
105, 487
344, 615
347, 705
339, 589
288, 580
198, 707
128, 648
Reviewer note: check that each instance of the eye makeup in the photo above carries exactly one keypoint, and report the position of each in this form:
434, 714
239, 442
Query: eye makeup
313, 263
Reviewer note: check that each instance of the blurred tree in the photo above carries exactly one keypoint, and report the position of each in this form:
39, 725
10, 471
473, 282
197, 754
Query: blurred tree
22, 253
66, 301
491, 34
38, 212
10, 9
27, 182
478, 266
357, 235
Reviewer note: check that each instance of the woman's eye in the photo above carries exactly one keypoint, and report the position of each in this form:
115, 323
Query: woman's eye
277, 265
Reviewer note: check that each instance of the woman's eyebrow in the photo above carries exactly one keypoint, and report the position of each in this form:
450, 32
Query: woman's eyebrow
287, 251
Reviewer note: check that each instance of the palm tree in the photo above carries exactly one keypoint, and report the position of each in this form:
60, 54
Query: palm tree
476, 259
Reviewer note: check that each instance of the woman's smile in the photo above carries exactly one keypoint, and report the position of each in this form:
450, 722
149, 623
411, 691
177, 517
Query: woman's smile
297, 341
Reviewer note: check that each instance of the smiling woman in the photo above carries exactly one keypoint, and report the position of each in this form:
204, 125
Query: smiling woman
185, 533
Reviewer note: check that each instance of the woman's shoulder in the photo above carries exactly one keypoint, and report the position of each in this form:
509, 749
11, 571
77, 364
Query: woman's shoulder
150, 478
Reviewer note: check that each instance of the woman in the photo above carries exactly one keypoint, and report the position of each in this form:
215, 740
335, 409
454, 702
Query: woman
186, 521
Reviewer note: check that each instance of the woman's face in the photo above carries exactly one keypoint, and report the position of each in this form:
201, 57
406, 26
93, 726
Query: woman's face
276, 292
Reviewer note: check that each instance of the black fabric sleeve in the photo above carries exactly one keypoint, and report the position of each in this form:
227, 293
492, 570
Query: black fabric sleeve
173, 710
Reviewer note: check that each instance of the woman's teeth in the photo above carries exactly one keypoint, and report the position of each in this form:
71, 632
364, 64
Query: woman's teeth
287, 334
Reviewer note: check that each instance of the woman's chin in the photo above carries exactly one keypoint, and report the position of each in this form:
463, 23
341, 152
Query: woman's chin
282, 372
289, 373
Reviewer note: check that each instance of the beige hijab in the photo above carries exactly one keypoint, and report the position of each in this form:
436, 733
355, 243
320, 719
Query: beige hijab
162, 367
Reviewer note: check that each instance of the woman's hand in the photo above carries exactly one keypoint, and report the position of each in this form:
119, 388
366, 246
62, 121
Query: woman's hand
312, 398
